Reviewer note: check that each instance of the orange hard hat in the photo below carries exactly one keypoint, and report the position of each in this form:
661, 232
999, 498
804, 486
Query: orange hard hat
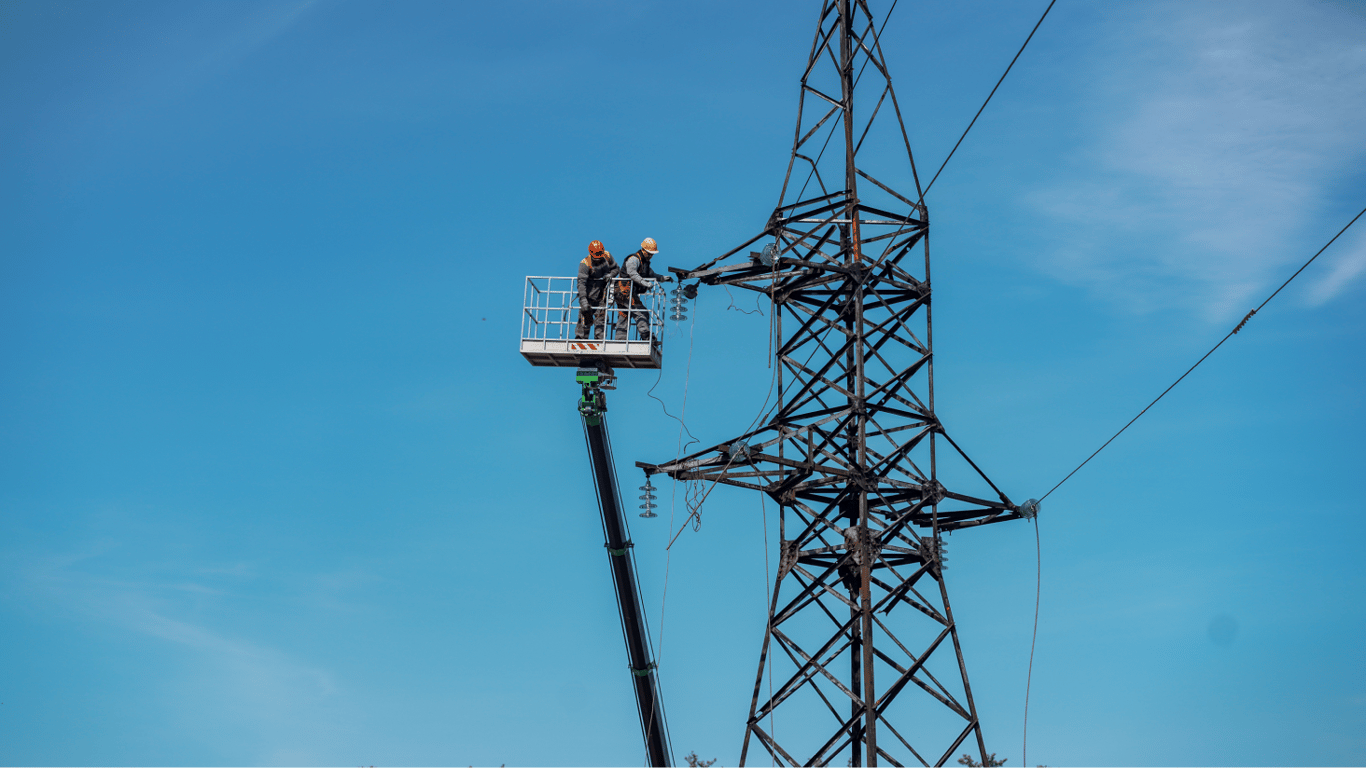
595, 247
649, 246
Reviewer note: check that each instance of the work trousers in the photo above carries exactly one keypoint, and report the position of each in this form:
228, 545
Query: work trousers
637, 312
594, 317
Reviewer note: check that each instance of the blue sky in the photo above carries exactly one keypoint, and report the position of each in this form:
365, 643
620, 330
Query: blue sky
276, 487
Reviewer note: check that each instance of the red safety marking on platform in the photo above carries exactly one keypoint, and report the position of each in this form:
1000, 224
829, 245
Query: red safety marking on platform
584, 346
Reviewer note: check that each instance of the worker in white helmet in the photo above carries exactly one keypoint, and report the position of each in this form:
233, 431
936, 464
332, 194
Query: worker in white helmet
635, 279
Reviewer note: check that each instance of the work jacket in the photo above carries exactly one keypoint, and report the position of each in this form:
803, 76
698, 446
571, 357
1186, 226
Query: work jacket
593, 277
636, 270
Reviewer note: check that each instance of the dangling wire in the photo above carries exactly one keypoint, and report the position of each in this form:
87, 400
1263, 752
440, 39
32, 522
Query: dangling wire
687, 376
1029, 676
756, 311
695, 502
682, 426
673, 492
763, 415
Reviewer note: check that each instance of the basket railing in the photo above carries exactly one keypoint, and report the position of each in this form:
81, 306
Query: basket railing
551, 311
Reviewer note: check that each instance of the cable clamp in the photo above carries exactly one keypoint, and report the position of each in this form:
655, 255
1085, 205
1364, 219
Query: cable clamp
643, 672
619, 552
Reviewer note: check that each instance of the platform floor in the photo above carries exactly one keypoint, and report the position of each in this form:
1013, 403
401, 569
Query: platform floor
561, 353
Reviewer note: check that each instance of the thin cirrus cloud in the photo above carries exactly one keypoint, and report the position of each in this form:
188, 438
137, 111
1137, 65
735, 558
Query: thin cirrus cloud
1343, 270
258, 30
239, 671
1221, 133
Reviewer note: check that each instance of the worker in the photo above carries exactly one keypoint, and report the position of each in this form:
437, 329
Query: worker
595, 272
635, 279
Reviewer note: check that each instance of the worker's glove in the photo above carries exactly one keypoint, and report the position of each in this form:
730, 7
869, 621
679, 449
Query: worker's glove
665, 279
583, 305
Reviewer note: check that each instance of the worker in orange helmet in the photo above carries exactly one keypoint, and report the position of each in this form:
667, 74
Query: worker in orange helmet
595, 271
635, 279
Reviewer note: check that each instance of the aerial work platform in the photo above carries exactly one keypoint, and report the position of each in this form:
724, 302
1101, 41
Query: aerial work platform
550, 327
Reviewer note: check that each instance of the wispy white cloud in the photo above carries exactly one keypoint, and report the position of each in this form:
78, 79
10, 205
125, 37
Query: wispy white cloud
254, 32
1221, 132
241, 675
1343, 270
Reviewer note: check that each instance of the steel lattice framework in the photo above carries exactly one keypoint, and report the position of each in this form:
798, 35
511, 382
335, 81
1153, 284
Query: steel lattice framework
860, 621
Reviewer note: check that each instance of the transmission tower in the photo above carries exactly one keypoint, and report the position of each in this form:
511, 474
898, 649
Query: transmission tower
860, 633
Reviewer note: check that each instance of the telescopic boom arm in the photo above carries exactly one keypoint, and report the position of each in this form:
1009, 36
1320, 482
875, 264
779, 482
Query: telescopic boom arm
593, 406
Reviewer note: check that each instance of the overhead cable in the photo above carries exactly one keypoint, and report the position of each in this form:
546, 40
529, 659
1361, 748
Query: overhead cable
989, 95
1228, 336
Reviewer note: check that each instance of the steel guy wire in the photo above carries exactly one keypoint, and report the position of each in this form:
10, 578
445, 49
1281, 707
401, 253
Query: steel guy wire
1227, 336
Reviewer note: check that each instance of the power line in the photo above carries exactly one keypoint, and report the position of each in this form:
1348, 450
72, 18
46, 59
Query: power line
926, 190
1239, 327
989, 95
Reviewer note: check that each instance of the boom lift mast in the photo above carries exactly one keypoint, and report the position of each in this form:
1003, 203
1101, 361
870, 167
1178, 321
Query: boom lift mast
550, 311
593, 407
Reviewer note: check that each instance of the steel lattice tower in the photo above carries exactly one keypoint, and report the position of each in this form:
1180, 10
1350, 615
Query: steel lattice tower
853, 453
